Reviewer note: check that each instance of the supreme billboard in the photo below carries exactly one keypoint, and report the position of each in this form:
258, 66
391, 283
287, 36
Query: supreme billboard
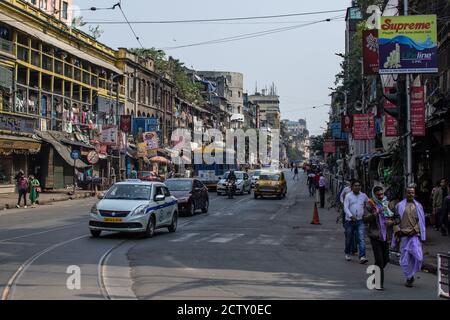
408, 44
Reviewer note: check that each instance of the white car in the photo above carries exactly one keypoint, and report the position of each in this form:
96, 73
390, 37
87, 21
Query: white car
134, 206
243, 183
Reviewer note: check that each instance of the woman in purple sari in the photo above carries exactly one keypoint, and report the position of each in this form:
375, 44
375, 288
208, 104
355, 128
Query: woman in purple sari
410, 232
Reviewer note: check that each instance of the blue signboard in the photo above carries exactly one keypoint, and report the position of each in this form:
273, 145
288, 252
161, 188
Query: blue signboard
75, 154
141, 125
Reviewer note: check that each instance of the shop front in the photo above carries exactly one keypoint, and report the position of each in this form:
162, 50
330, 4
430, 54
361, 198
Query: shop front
16, 153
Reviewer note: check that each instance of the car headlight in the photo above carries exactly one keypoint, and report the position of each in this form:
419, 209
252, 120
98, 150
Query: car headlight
139, 211
94, 209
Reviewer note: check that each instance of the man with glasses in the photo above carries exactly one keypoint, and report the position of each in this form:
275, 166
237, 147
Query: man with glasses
354, 206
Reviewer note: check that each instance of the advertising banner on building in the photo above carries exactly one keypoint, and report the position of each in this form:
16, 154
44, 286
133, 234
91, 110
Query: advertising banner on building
390, 123
109, 135
346, 124
370, 52
364, 126
141, 150
329, 146
418, 111
408, 44
16, 124
125, 123
151, 139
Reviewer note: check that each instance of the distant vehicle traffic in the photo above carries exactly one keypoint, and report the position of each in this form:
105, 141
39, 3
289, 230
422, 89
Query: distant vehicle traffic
243, 183
271, 184
191, 194
134, 206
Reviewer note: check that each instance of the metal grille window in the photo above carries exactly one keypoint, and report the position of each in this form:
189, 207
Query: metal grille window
6, 78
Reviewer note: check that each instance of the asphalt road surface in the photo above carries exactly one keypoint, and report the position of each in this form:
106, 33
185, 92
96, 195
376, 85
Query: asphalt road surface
241, 249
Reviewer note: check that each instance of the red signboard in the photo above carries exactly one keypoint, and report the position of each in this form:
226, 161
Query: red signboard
329, 146
125, 123
364, 126
418, 112
346, 124
390, 123
370, 52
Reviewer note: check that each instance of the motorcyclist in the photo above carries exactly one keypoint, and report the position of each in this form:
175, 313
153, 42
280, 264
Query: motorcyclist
231, 180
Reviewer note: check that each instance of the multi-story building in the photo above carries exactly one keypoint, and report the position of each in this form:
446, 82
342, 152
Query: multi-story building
230, 85
61, 9
57, 82
269, 109
149, 95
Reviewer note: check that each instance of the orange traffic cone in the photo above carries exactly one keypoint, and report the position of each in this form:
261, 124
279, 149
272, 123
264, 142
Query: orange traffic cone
315, 215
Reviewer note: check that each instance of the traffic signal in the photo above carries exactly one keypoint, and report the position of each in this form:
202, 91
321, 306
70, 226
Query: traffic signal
397, 96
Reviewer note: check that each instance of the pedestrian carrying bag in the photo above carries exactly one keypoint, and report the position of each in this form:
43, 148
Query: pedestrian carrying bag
38, 189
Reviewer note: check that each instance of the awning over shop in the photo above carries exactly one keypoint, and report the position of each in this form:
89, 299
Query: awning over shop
19, 144
63, 150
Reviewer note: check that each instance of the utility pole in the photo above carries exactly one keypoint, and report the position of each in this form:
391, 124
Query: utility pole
409, 175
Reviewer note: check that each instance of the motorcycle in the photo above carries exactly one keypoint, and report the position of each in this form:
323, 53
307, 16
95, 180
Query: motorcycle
231, 189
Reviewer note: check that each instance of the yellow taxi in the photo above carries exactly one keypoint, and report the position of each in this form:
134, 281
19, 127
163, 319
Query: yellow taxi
271, 184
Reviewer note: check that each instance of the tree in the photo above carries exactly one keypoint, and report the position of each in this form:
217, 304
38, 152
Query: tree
316, 144
94, 31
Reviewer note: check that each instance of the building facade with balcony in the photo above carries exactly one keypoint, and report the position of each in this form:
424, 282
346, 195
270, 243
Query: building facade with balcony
54, 79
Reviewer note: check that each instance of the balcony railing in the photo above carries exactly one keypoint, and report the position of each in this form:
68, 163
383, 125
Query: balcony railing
6, 46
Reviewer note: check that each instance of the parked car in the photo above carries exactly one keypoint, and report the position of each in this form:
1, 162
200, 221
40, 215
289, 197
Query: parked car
148, 176
134, 206
271, 184
191, 194
243, 183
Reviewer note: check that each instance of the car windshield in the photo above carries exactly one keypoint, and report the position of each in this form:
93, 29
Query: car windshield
239, 175
179, 185
129, 192
256, 173
270, 177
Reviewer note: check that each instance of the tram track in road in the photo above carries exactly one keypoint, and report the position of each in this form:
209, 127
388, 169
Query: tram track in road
102, 262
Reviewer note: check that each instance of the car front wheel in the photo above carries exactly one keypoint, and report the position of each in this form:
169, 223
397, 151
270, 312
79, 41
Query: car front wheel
173, 226
150, 231
96, 233
206, 207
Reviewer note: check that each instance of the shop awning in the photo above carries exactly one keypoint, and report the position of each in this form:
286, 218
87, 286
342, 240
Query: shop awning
63, 150
19, 144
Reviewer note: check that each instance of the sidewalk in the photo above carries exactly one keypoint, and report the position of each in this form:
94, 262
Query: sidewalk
435, 243
9, 200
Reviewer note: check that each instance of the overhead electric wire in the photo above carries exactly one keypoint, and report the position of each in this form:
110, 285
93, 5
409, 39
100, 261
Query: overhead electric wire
249, 35
119, 5
220, 19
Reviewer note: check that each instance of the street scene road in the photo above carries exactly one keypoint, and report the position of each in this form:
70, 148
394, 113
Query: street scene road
243, 248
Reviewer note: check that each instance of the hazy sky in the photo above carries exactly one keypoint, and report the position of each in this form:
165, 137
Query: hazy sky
301, 62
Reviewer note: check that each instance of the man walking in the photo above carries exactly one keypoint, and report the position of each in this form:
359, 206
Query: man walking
22, 188
410, 232
344, 192
380, 220
354, 205
295, 173
311, 183
322, 183
438, 203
